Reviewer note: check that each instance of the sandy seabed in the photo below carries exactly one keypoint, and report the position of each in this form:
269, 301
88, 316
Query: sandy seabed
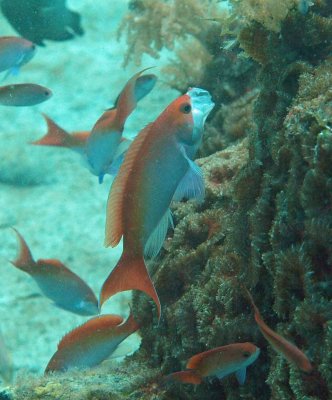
47, 194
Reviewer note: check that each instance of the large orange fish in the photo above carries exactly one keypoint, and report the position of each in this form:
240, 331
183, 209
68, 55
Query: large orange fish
105, 145
91, 343
219, 362
66, 289
58, 137
155, 169
291, 352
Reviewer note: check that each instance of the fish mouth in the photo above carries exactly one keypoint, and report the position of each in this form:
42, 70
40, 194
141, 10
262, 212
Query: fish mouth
202, 104
201, 100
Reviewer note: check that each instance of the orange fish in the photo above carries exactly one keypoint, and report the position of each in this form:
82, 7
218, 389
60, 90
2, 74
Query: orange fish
155, 168
219, 362
57, 282
91, 343
291, 352
57, 136
106, 145
23, 95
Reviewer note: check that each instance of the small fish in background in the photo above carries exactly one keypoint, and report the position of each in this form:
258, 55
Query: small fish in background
14, 53
291, 352
218, 362
66, 289
6, 362
40, 20
303, 6
91, 343
23, 95
155, 168
57, 136
106, 145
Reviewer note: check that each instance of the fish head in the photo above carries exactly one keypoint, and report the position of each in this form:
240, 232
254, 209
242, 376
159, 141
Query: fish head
189, 114
247, 353
30, 50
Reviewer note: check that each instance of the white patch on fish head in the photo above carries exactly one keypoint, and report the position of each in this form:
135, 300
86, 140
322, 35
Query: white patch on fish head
201, 104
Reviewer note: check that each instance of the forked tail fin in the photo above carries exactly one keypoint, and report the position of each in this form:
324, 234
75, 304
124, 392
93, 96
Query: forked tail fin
129, 274
24, 260
55, 136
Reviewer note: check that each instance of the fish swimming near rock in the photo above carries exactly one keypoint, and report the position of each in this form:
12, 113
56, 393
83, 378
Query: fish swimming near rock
106, 145
66, 289
58, 137
91, 343
291, 352
155, 169
23, 95
14, 53
218, 362
40, 20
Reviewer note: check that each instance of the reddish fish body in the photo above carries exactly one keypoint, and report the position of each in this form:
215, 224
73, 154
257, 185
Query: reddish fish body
66, 289
58, 137
291, 352
91, 343
219, 362
105, 144
138, 205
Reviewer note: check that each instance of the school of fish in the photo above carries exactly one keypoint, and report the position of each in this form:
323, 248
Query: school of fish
150, 172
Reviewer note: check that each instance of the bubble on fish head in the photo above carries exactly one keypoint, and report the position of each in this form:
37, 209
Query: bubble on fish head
202, 104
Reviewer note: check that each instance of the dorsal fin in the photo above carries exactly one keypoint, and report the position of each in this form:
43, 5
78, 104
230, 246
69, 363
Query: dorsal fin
114, 211
194, 361
85, 330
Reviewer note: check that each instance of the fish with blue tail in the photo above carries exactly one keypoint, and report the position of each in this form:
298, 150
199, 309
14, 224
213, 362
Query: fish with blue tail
156, 170
57, 282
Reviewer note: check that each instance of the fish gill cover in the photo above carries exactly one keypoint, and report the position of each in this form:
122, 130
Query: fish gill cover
265, 223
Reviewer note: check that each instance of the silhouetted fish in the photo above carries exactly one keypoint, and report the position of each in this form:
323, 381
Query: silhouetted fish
39, 20
57, 282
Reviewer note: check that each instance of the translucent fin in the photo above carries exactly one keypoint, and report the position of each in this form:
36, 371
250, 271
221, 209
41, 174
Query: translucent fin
157, 238
191, 185
241, 375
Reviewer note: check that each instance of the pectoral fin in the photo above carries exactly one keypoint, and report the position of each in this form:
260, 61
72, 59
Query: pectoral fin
241, 375
192, 184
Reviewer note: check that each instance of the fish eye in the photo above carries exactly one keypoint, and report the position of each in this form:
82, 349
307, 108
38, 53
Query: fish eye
46, 93
33, 46
246, 354
185, 108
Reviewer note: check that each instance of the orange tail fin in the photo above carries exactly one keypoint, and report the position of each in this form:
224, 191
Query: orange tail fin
55, 136
129, 274
24, 260
189, 376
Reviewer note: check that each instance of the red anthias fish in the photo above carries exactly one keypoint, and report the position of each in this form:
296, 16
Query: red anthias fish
156, 169
106, 146
291, 352
58, 137
66, 289
91, 343
218, 362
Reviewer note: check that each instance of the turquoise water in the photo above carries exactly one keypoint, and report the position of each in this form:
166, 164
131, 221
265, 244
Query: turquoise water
264, 223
